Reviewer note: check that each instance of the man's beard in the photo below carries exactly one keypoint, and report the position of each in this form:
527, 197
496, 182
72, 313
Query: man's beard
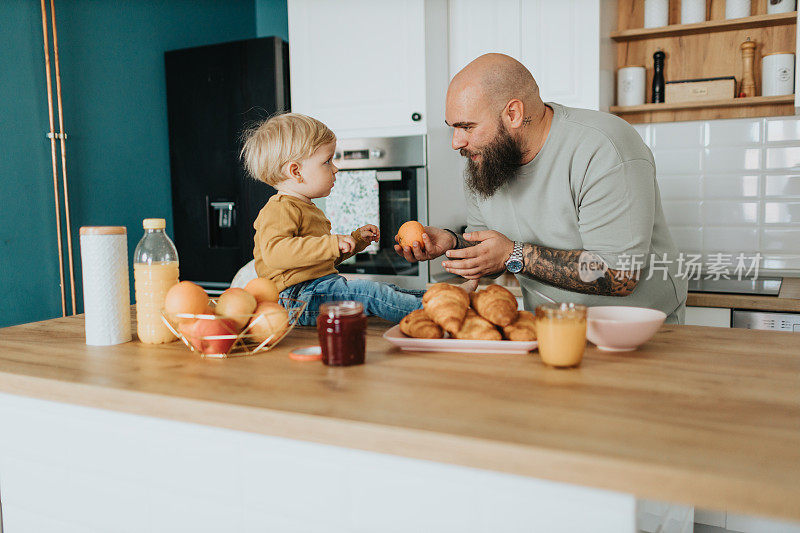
499, 163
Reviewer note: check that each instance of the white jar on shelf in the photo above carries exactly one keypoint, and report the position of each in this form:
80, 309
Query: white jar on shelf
630, 85
656, 13
693, 11
780, 6
736, 9
777, 74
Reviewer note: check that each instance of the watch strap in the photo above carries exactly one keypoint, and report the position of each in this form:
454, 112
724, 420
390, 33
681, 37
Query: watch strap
516, 253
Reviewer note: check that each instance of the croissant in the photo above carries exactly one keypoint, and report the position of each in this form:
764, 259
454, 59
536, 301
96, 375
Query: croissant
446, 305
476, 327
496, 304
417, 324
522, 329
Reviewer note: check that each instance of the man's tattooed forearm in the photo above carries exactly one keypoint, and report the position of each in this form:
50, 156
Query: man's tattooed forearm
561, 268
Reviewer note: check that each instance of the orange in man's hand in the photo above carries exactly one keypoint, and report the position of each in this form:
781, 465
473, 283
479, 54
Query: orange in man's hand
411, 232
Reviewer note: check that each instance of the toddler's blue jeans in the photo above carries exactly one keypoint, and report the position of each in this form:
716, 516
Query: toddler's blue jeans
384, 300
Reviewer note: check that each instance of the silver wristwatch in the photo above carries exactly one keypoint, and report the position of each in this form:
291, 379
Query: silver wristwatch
514, 263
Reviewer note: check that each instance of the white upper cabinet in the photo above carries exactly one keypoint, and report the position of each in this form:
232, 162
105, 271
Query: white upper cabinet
564, 44
359, 64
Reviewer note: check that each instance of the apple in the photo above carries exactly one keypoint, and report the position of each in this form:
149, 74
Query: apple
197, 334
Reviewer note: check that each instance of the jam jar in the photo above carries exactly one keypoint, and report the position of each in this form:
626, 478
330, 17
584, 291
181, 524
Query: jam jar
342, 329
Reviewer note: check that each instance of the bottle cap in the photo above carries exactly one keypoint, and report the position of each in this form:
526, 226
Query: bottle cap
154, 223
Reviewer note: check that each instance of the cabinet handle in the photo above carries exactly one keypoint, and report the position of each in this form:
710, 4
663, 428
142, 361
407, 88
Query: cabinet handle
416, 117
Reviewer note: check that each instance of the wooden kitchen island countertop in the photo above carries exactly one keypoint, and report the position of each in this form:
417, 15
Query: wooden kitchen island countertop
707, 416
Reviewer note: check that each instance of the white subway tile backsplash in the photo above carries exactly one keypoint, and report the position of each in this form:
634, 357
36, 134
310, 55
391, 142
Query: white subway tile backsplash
724, 133
728, 186
681, 213
734, 159
688, 161
730, 239
783, 157
679, 187
779, 239
644, 132
782, 185
687, 239
740, 192
782, 213
729, 212
678, 135
781, 261
782, 130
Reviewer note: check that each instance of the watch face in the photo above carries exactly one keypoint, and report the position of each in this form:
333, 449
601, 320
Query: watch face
514, 266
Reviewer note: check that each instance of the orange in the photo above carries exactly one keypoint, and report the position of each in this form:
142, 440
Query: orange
411, 232
263, 289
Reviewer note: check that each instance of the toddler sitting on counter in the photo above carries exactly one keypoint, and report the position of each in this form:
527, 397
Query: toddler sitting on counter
294, 246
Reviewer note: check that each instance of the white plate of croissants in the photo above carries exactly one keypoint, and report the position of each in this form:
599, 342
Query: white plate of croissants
453, 320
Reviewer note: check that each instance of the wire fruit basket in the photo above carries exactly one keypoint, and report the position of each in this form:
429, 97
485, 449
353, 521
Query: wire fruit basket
220, 336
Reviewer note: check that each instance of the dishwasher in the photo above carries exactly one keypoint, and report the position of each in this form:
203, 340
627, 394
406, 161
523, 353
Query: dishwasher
766, 320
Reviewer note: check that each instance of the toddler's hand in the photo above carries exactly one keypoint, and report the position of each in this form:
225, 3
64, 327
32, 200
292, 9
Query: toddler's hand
346, 243
369, 233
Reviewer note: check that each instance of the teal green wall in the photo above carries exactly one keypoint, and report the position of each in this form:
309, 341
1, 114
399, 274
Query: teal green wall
272, 19
112, 74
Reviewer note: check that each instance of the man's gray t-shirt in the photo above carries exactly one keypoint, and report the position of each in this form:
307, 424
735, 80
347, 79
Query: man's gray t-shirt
591, 187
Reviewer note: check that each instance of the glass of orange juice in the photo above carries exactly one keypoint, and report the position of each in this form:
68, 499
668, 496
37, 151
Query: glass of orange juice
561, 331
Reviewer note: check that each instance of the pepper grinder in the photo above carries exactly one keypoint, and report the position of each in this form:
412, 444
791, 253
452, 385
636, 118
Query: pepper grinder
658, 77
748, 87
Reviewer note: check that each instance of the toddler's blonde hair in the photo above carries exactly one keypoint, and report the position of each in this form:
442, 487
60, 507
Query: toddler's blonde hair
271, 144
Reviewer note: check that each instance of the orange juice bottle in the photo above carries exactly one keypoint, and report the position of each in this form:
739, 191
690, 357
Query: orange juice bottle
155, 270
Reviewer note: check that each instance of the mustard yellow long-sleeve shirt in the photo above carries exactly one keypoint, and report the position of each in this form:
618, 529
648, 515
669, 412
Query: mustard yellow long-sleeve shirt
293, 242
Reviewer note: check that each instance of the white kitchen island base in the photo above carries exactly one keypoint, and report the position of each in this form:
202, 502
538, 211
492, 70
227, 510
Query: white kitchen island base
73, 469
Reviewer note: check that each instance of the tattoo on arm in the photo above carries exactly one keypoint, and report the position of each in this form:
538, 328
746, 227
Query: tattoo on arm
562, 268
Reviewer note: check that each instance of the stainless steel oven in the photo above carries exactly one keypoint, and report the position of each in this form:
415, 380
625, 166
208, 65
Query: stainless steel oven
766, 320
399, 167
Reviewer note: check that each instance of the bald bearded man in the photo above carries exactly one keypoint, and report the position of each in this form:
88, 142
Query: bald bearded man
566, 199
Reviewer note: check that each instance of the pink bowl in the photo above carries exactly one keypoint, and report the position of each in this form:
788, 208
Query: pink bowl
622, 329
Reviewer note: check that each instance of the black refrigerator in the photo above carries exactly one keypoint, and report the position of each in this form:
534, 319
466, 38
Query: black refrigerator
213, 94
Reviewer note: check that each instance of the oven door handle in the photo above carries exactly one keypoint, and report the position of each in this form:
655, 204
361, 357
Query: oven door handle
389, 175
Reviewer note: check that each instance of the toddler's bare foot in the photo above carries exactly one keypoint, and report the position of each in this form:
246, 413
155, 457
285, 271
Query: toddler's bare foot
470, 285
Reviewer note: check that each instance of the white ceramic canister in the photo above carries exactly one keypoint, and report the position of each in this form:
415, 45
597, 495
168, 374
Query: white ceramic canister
780, 6
693, 11
736, 9
630, 85
656, 13
777, 74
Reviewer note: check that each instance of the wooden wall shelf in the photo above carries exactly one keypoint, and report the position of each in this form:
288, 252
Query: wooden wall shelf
709, 49
756, 106
730, 102
758, 21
